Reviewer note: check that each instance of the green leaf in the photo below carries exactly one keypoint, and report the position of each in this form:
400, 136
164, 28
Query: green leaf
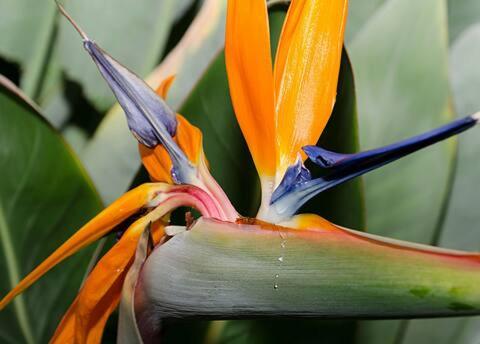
28, 29
45, 196
460, 229
461, 15
400, 64
359, 13
462, 216
402, 87
111, 157
135, 33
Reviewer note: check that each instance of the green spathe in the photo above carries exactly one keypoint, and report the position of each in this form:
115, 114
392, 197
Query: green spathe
225, 270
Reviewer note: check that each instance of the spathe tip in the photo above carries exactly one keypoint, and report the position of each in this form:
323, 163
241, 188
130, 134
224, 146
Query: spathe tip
70, 19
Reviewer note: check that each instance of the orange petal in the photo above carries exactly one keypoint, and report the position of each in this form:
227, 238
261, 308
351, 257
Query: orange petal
165, 85
309, 221
66, 330
158, 162
85, 320
67, 326
306, 74
100, 225
189, 138
250, 77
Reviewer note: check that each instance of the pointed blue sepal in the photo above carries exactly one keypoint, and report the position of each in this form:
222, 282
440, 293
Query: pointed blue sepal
149, 117
324, 158
295, 175
341, 168
371, 159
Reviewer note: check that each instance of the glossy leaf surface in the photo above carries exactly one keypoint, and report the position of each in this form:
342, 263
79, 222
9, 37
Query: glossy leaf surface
402, 87
28, 29
460, 229
405, 92
45, 196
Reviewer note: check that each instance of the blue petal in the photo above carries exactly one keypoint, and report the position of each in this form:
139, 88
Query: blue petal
344, 167
368, 160
294, 175
148, 116
150, 119
324, 158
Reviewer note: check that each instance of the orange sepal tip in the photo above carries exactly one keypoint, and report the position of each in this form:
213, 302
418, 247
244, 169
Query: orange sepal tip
85, 320
100, 225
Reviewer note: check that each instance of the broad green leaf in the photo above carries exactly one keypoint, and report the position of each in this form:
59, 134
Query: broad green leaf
134, 32
461, 228
27, 28
53, 96
443, 331
400, 64
461, 15
111, 157
402, 87
75, 137
359, 13
45, 196
462, 221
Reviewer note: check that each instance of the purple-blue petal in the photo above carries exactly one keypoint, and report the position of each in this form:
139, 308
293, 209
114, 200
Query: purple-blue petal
341, 168
148, 116
375, 158
295, 175
324, 158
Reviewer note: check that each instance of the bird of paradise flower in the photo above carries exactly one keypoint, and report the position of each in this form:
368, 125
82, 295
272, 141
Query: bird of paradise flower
282, 110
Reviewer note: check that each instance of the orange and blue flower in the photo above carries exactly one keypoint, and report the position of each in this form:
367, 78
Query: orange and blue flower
282, 109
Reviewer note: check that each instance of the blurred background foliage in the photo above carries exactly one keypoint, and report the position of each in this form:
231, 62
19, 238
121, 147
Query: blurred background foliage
409, 66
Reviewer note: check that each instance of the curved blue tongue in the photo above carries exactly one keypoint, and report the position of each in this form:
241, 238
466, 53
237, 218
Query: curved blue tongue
293, 192
375, 158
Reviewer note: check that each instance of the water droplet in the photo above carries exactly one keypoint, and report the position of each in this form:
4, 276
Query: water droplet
275, 286
283, 244
277, 276
280, 259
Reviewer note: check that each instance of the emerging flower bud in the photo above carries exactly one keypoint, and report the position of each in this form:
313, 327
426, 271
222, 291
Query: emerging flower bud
149, 118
